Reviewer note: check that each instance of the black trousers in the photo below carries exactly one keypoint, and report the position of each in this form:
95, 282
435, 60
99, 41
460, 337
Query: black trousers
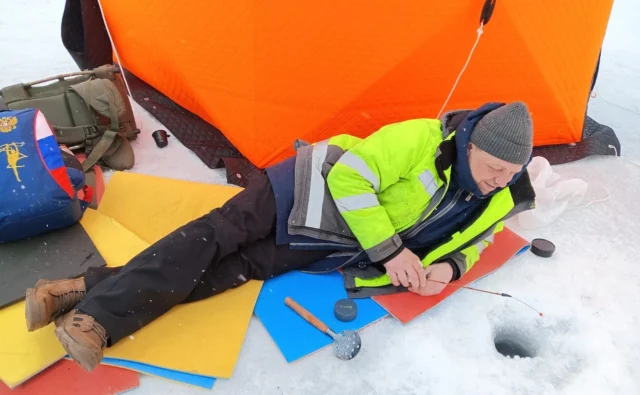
221, 250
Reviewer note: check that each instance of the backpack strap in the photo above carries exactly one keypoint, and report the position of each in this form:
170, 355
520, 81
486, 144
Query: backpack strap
97, 152
77, 135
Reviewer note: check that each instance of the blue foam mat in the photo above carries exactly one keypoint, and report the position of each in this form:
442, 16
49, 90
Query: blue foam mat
182, 377
317, 293
523, 250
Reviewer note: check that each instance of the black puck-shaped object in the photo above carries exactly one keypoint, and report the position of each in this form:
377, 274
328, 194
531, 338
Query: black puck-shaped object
345, 310
160, 136
542, 247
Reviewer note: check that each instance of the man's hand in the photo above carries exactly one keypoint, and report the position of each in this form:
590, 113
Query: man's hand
441, 273
406, 269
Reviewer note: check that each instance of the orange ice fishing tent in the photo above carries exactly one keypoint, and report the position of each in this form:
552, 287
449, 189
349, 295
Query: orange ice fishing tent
268, 73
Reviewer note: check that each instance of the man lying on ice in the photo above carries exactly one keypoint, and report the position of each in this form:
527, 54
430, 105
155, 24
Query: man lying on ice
419, 189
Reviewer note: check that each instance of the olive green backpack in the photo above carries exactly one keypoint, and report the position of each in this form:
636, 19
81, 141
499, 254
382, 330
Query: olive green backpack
88, 110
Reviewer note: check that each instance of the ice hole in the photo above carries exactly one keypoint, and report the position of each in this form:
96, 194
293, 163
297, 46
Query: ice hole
511, 343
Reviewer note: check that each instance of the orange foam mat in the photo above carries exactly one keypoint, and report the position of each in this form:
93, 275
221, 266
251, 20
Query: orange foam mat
278, 71
408, 306
67, 377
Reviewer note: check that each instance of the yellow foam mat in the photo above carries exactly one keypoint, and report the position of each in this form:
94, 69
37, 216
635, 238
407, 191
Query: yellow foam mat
203, 337
152, 207
24, 354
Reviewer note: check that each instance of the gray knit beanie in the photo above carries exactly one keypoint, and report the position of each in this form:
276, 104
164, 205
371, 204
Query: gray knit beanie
506, 133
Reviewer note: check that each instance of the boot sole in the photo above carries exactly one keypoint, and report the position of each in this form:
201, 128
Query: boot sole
33, 311
82, 355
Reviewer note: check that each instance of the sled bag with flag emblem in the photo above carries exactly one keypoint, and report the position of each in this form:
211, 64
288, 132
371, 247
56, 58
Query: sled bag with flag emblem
42, 188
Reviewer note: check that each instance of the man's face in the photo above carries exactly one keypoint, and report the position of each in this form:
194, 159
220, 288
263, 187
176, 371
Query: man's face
488, 171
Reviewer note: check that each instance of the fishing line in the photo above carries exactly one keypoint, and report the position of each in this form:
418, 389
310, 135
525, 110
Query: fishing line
488, 292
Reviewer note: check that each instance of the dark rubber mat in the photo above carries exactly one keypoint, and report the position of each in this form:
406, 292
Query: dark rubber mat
205, 140
65, 253
199, 136
597, 139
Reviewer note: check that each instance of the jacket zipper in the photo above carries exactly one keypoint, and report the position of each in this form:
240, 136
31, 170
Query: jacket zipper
336, 245
425, 214
445, 210
473, 241
348, 262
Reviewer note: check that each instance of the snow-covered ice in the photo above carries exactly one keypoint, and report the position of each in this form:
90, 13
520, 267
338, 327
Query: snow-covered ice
589, 291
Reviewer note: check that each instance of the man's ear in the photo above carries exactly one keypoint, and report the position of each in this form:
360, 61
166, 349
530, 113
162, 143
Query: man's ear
470, 148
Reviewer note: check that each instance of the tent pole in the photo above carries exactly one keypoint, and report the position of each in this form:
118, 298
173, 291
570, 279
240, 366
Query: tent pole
113, 45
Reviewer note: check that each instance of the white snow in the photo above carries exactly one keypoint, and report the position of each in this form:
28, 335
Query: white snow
589, 291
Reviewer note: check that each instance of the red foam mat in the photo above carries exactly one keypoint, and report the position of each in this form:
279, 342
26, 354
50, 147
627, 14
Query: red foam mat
67, 377
408, 306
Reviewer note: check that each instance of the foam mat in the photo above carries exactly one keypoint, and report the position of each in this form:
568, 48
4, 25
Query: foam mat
66, 377
202, 338
317, 293
152, 207
24, 354
186, 378
408, 306
64, 253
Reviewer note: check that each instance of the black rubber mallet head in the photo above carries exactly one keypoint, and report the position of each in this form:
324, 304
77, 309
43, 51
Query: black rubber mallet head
345, 310
542, 248
346, 344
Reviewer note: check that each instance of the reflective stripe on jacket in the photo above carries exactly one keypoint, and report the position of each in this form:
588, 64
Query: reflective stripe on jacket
371, 194
367, 191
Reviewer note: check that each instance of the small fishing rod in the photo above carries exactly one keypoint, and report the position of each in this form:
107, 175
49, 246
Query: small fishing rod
487, 292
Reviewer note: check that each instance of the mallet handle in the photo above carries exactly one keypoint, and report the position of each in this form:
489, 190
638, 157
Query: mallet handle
304, 313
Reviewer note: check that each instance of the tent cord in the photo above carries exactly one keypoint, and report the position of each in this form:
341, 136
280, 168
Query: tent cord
621, 157
595, 200
605, 188
113, 45
480, 31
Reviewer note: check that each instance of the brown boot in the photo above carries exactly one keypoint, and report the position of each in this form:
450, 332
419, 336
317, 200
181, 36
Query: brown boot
50, 299
82, 337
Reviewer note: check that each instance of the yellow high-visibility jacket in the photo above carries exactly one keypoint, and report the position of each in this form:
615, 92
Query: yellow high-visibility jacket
373, 193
